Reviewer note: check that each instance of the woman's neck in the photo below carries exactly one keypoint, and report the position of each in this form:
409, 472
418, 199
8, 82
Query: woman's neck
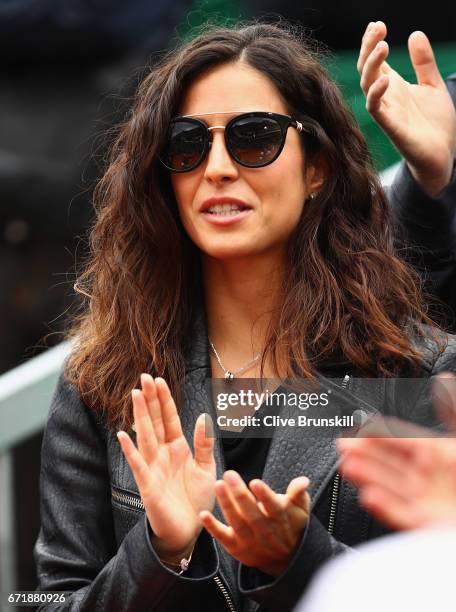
239, 299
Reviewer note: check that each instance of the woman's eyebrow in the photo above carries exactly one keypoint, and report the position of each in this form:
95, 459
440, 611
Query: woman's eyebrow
237, 112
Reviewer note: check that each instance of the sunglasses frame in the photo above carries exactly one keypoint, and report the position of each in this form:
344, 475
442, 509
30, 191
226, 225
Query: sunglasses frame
284, 122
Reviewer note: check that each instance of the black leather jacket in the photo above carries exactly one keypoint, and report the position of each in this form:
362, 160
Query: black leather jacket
95, 539
428, 225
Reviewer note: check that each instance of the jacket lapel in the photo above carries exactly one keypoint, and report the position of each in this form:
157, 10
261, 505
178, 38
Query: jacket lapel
294, 451
310, 451
197, 399
197, 393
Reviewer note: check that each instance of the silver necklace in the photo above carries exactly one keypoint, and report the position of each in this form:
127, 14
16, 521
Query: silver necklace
230, 375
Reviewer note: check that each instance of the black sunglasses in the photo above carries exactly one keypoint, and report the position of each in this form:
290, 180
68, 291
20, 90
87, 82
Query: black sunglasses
253, 140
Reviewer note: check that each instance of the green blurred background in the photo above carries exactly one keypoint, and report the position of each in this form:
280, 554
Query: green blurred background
402, 18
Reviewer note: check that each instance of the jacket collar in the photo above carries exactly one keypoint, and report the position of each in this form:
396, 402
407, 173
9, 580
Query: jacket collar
293, 451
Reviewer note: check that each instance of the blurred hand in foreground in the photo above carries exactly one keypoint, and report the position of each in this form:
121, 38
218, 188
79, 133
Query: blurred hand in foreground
406, 482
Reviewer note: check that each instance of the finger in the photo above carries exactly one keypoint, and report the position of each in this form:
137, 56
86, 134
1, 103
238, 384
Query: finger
386, 427
423, 61
375, 32
395, 453
171, 420
230, 510
365, 471
345, 445
273, 503
223, 533
374, 66
145, 434
136, 462
375, 94
203, 441
403, 448
297, 491
153, 404
243, 498
387, 507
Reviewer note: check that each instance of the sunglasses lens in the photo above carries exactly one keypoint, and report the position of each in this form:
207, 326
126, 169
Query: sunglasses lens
185, 145
254, 141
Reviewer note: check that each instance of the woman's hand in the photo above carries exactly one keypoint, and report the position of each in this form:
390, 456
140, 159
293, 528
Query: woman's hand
174, 486
419, 119
264, 528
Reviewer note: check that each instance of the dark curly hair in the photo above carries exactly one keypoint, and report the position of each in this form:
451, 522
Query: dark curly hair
142, 280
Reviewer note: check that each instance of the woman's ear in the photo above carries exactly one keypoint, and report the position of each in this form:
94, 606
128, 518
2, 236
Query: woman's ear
316, 173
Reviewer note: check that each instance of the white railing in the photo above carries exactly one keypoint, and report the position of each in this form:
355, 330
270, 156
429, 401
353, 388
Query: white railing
25, 395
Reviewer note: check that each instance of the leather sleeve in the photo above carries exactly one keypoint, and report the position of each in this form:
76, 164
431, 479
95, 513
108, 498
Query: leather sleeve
424, 412
425, 229
76, 550
421, 220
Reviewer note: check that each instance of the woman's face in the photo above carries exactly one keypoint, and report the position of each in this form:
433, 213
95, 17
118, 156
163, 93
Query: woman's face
274, 194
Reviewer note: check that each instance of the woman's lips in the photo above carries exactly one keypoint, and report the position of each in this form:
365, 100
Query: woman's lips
226, 219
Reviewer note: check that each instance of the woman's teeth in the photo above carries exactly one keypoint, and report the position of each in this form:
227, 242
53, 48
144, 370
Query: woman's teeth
225, 209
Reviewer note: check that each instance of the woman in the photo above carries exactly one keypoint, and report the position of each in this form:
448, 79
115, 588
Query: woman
241, 232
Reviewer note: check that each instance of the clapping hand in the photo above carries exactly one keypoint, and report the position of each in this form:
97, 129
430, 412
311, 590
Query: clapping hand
178, 490
419, 119
264, 528
174, 485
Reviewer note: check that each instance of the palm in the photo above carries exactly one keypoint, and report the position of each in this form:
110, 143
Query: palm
174, 484
419, 119
439, 505
434, 481
178, 490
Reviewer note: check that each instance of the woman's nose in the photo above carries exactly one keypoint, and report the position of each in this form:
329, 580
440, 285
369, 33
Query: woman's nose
219, 163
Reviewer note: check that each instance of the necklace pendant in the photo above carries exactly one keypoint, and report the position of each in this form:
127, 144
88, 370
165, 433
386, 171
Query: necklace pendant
229, 376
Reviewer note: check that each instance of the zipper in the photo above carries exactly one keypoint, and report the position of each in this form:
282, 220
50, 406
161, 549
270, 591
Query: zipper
344, 384
229, 602
334, 500
129, 500
336, 482
136, 503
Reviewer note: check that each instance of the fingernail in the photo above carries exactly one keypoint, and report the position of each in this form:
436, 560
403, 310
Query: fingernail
146, 376
303, 481
220, 487
231, 477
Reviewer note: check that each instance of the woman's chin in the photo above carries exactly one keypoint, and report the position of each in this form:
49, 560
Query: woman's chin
229, 252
